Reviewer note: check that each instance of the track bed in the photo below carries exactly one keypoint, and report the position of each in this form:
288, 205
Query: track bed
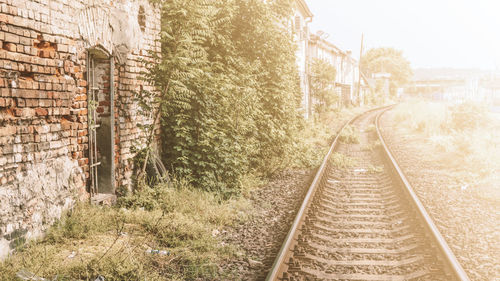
358, 223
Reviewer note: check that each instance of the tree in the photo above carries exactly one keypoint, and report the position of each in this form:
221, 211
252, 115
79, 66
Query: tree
184, 28
228, 92
387, 60
322, 85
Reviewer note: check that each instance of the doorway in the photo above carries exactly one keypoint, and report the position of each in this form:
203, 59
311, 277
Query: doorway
100, 73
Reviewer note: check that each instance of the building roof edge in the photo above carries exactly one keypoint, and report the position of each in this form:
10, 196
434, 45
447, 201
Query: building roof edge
303, 6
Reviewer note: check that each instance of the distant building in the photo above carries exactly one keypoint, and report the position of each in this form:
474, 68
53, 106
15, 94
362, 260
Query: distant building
347, 68
455, 85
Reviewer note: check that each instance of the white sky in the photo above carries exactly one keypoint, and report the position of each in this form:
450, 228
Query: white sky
431, 33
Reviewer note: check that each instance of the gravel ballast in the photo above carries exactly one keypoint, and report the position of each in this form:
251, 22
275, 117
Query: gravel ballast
260, 238
275, 206
469, 222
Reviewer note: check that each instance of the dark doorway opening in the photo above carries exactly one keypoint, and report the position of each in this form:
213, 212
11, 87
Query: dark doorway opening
100, 122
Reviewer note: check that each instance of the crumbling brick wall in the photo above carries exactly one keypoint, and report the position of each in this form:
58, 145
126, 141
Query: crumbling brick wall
44, 124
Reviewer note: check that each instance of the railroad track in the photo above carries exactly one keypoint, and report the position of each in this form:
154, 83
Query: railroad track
361, 220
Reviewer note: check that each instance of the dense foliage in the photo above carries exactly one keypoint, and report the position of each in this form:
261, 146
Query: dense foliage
322, 86
387, 60
228, 95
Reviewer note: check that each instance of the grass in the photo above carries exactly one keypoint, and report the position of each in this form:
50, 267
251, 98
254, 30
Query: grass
466, 132
349, 135
111, 242
371, 129
375, 169
342, 161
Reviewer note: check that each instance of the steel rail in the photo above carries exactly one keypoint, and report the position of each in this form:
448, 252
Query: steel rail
450, 259
279, 263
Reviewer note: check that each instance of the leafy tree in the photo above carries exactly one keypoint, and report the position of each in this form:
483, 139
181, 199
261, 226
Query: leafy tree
227, 91
387, 60
182, 58
322, 85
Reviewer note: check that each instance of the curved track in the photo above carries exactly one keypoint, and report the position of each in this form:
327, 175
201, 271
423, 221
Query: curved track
361, 220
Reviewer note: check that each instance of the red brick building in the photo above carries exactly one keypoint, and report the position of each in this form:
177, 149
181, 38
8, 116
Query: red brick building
68, 119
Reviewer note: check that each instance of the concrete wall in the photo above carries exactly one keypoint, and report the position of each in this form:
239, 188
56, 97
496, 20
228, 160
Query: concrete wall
44, 133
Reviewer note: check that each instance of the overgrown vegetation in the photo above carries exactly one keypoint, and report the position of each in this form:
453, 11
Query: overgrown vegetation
349, 135
92, 241
317, 137
228, 93
466, 131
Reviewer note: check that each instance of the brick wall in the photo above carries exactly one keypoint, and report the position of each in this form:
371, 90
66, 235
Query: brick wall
44, 125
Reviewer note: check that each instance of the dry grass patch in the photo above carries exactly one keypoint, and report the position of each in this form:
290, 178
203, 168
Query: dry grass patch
92, 241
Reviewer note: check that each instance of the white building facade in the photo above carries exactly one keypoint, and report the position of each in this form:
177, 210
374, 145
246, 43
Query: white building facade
347, 68
300, 26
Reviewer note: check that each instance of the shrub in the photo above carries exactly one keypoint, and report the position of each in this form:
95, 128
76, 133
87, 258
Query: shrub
468, 116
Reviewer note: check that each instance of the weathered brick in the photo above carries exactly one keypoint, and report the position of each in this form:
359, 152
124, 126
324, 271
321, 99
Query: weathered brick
32, 103
62, 48
27, 138
50, 55
24, 112
41, 111
12, 38
20, 102
11, 47
7, 131
5, 92
25, 41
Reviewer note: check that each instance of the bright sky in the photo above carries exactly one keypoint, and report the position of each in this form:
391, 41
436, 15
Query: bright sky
431, 33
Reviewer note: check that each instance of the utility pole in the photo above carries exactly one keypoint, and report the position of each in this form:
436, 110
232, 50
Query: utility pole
359, 66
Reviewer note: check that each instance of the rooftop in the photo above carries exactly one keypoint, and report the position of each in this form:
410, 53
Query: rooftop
302, 5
